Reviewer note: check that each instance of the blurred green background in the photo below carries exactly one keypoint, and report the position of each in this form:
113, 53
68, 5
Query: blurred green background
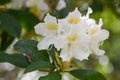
18, 18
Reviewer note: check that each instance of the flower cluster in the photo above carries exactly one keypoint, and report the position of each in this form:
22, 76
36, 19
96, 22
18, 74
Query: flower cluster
77, 36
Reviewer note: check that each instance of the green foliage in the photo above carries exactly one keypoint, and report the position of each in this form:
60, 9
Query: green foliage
15, 59
87, 74
43, 55
52, 76
97, 5
25, 18
10, 25
39, 65
29, 47
61, 13
52, 51
6, 41
54, 54
2, 2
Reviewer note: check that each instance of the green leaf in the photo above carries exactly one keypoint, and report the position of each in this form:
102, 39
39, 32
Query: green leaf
43, 54
54, 53
39, 65
29, 47
2, 2
52, 76
87, 74
61, 13
97, 5
10, 25
15, 59
6, 40
26, 19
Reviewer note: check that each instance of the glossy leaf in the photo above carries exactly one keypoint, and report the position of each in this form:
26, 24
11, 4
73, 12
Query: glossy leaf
52, 76
15, 59
6, 40
29, 47
10, 25
54, 54
87, 74
39, 65
43, 54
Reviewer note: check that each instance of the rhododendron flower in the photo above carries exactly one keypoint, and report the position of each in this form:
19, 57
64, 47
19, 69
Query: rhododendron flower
77, 36
48, 29
98, 35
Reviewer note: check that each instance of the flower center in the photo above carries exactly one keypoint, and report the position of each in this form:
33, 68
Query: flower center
74, 20
72, 38
93, 31
52, 26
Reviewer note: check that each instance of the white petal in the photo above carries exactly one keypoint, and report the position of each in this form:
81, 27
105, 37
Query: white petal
96, 50
64, 27
83, 27
41, 30
60, 42
100, 22
76, 12
103, 35
49, 19
65, 54
45, 43
81, 53
89, 12
74, 15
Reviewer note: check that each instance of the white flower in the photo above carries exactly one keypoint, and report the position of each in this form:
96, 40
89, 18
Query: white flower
48, 30
73, 38
74, 45
61, 4
75, 21
35, 75
98, 35
76, 35
73, 17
